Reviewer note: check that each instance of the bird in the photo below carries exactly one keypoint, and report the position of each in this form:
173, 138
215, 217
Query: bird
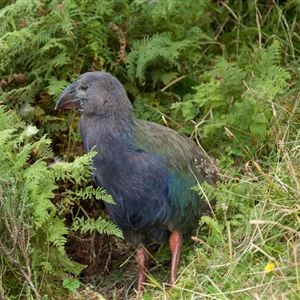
149, 169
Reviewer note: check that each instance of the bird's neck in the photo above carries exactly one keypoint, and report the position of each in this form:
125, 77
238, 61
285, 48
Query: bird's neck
107, 131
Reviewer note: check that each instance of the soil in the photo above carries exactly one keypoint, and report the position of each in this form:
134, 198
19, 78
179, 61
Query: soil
110, 265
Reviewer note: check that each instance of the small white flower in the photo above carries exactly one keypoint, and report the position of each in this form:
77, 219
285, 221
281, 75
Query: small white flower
31, 130
224, 206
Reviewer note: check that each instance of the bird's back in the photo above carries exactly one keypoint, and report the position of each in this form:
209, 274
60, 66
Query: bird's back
178, 152
187, 165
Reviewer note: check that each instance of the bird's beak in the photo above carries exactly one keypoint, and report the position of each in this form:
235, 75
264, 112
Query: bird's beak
68, 99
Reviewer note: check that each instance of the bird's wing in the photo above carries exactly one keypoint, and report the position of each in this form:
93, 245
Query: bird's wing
187, 165
179, 153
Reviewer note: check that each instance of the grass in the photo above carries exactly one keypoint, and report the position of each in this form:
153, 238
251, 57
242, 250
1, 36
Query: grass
251, 248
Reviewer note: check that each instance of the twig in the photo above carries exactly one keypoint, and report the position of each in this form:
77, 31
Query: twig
173, 82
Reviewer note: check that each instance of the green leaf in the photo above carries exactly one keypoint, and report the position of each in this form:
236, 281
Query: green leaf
72, 285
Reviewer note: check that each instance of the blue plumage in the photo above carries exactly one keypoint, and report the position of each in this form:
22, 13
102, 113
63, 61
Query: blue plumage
138, 182
147, 168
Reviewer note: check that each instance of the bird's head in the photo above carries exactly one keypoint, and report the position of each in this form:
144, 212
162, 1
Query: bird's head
94, 93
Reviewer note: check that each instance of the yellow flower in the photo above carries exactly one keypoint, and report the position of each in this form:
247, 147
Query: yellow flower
269, 267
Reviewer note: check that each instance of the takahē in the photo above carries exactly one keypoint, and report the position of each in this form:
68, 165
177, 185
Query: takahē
149, 169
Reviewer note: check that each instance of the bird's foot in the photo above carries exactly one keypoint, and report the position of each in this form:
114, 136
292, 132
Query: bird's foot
172, 280
142, 259
175, 244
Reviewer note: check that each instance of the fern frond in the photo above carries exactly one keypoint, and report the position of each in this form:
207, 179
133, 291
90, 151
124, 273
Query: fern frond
57, 232
55, 87
40, 184
41, 148
90, 192
100, 225
22, 157
5, 135
24, 8
158, 48
77, 171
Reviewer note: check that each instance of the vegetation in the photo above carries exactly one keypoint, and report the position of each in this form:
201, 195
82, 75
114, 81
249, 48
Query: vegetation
225, 73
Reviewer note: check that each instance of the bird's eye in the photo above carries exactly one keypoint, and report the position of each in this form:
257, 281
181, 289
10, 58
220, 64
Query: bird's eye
84, 87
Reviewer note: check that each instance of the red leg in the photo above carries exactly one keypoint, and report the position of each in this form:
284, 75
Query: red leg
175, 243
142, 259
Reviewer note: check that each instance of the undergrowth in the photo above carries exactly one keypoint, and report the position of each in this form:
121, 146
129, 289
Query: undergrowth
250, 247
225, 73
32, 224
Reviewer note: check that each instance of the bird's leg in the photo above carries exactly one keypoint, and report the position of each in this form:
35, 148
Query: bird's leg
142, 259
175, 244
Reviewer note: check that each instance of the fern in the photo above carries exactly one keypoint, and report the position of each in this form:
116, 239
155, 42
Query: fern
100, 225
23, 7
157, 49
5, 135
89, 193
225, 73
217, 229
40, 184
57, 232
26, 193
76, 171
55, 86
41, 147
239, 98
33, 236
